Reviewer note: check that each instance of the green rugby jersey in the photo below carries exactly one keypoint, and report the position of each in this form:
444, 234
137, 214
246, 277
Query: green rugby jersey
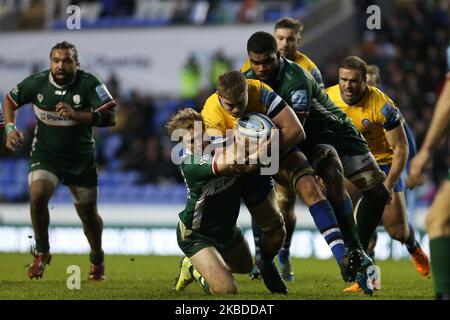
213, 202
299, 89
57, 135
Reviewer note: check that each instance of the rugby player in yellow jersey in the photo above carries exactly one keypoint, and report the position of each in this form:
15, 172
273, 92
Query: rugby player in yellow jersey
373, 79
438, 218
235, 96
288, 33
376, 117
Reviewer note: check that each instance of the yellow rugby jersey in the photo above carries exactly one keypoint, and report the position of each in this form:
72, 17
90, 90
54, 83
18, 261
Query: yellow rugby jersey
373, 115
303, 61
261, 98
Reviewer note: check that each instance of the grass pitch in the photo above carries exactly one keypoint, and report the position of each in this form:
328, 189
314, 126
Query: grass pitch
151, 277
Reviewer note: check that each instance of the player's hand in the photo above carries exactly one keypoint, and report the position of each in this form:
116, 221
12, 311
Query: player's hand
265, 148
66, 111
418, 163
14, 140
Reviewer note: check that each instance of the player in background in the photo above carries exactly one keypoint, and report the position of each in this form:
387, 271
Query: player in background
68, 102
207, 232
330, 137
438, 218
374, 80
376, 117
235, 96
288, 33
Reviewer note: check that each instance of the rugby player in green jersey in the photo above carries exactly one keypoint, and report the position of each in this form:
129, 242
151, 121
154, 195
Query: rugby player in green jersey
67, 103
207, 232
438, 218
333, 145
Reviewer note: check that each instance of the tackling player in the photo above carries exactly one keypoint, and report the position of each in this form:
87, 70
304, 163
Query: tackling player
207, 232
329, 137
67, 103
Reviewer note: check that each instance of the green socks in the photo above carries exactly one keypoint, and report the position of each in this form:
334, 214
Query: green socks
440, 264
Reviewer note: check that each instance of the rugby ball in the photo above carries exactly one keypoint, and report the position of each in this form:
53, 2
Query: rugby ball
255, 125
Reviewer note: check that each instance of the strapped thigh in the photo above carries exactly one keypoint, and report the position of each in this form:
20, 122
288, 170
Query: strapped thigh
83, 195
41, 174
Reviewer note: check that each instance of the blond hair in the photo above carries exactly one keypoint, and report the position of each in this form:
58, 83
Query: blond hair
183, 119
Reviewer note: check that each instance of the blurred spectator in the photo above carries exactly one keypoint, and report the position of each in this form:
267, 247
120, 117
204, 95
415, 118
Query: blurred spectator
219, 65
190, 81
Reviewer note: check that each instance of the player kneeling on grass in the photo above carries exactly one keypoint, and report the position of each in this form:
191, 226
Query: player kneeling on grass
207, 232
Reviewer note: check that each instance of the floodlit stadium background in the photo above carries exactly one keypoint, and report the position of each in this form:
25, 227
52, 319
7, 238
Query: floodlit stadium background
157, 57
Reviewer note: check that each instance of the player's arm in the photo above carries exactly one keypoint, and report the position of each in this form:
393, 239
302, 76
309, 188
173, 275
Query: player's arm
440, 125
396, 139
284, 117
291, 130
230, 162
14, 137
98, 118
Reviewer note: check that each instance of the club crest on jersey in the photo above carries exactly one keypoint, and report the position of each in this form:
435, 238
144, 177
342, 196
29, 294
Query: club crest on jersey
365, 122
204, 159
77, 99
40, 97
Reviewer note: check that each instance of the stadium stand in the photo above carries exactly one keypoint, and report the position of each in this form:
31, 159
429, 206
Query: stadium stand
135, 158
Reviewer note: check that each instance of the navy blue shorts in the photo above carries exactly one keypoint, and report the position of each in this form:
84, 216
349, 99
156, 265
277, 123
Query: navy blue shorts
255, 188
399, 185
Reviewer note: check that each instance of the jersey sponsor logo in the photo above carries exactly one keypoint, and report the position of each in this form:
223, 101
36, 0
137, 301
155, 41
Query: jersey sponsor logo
365, 122
53, 118
60, 92
299, 100
103, 93
34, 164
76, 99
218, 185
40, 97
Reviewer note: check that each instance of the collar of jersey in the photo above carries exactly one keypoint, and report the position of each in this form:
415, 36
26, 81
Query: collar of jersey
280, 69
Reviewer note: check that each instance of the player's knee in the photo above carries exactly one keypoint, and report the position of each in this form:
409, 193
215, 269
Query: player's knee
437, 224
224, 287
309, 190
275, 237
286, 204
87, 212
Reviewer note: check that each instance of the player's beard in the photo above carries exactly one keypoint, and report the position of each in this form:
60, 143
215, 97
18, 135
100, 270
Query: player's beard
62, 81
